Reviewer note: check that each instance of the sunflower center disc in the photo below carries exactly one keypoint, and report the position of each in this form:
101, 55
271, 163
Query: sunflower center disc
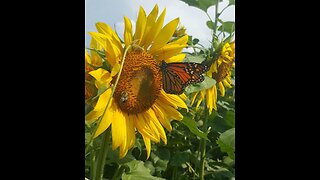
139, 84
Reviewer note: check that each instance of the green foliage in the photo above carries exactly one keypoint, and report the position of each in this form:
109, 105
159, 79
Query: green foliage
210, 24
205, 84
227, 142
228, 26
137, 171
191, 124
201, 4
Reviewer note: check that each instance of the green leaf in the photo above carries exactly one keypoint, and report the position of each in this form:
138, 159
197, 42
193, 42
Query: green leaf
230, 118
179, 158
201, 4
228, 26
232, 2
210, 24
191, 124
226, 142
138, 171
205, 84
193, 58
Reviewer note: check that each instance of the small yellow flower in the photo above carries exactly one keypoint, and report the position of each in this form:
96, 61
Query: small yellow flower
220, 70
139, 103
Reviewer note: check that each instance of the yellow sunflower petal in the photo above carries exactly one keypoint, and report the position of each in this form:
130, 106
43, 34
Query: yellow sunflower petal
183, 96
164, 35
127, 31
102, 76
173, 100
211, 98
168, 51
115, 69
112, 52
143, 127
124, 147
106, 120
177, 58
148, 145
118, 129
221, 88
95, 58
151, 19
99, 38
194, 97
180, 41
87, 57
226, 83
152, 117
131, 132
200, 99
140, 25
165, 122
155, 29
169, 111
100, 106
107, 30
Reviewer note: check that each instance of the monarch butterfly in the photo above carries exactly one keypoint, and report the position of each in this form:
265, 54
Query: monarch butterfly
176, 76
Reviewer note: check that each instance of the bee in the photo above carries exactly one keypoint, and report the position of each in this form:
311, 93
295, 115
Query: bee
123, 97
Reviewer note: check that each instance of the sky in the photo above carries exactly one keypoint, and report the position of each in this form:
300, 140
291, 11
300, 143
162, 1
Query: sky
193, 19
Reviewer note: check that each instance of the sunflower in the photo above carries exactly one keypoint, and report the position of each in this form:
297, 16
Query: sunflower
138, 103
220, 70
92, 62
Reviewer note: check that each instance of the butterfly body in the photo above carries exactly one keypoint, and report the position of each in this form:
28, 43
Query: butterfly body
177, 76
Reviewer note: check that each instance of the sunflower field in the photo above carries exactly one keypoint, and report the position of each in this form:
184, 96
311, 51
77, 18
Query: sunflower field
158, 103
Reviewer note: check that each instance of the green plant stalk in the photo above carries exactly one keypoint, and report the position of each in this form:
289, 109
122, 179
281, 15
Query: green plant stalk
203, 144
101, 159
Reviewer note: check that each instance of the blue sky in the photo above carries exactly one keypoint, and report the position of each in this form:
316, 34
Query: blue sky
112, 13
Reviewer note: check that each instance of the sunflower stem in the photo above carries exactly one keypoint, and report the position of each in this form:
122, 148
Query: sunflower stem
203, 144
102, 155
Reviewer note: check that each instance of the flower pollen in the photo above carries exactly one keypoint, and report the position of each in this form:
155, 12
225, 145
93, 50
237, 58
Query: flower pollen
139, 84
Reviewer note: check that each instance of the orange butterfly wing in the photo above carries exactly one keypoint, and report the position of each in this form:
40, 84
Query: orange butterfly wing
176, 76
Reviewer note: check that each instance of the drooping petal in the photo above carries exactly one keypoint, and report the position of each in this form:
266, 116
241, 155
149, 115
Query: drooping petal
200, 99
118, 129
155, 29
140, 25
164, 35
100, 106
156, 122
124, 147
194, 97
221, 88
127, 31
169, 111
165, 122
143, 127
148, 145
131, 137
210, 99
226, 83
173, 100
106, 119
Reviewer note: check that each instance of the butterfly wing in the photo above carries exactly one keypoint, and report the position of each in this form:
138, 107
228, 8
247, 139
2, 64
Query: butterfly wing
176, 76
